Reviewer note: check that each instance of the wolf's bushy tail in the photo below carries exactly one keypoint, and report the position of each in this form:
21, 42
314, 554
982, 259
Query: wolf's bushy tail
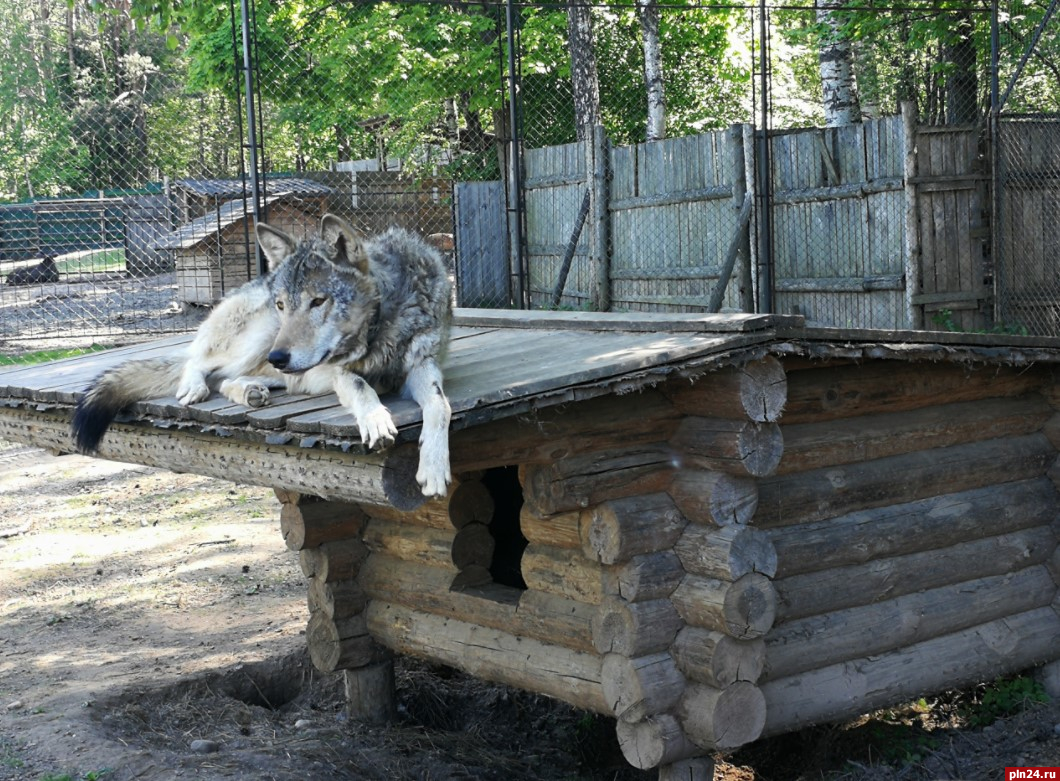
116, 389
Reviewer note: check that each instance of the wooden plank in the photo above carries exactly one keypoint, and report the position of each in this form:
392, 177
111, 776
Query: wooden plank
52, 381
481, 241
275, 414
623, 321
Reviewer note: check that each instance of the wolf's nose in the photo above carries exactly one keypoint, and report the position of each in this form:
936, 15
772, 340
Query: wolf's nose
280, 359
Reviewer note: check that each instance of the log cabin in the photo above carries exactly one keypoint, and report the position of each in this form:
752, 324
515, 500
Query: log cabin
711, 527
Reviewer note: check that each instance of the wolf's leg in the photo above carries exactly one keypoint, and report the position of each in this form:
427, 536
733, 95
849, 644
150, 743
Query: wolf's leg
232, 342
250, 391
424, 384
192, 388
373, 419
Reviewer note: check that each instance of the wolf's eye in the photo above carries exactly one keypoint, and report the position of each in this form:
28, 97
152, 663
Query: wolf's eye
279, 305
317, 302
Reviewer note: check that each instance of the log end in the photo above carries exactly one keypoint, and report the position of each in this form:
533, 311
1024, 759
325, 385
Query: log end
399, 479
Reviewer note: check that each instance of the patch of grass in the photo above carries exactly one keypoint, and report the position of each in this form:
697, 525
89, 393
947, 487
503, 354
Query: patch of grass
100, 261
8, 757
1004, 697
43, 356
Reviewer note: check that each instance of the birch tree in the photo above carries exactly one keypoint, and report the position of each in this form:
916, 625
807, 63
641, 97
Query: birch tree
648, 15
836, 58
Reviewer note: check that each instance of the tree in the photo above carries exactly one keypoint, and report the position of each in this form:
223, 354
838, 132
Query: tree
648, 13
836, 57
959, 63
585, 81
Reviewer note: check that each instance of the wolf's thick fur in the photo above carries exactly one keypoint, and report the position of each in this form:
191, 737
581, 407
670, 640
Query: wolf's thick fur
337, 313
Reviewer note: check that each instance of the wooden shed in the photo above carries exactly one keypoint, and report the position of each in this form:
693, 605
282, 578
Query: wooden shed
214, 253
711, 527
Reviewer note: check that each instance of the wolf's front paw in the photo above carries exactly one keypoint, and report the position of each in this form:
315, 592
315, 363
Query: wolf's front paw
192, 393
377, 428
434, 479
434, 474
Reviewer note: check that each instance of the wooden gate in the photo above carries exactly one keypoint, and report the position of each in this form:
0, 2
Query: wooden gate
950, 199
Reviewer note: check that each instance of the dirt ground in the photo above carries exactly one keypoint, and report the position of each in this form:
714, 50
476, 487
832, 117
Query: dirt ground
151, 627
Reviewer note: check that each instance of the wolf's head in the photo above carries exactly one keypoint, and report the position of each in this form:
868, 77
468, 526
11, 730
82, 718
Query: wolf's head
324, 292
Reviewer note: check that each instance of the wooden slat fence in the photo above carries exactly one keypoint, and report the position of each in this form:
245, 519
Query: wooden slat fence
838, 228
481, 232
60, 226
674, 209
556, 181
876, 225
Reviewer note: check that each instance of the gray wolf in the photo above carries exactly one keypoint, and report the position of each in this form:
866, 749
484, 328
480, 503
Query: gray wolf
337, 313
37, 274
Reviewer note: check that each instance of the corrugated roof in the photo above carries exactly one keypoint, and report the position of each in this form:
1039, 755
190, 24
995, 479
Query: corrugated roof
190, 234
234, 188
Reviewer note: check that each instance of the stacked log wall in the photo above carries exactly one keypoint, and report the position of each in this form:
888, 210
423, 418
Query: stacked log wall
582, 478
706, 675
702, 577
914, 517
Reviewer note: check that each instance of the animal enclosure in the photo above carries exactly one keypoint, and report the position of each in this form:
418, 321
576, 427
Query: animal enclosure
875, 225
696, 524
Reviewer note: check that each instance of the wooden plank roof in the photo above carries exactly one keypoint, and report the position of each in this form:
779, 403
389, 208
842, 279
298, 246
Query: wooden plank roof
235, 188
503, 363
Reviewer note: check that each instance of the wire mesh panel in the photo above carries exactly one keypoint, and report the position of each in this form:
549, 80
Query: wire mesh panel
1028, 274
624, 156
1026, 163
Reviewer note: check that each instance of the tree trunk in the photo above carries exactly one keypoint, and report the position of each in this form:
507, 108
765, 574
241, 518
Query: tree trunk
648, 14
584, 80
841, 106
962, 84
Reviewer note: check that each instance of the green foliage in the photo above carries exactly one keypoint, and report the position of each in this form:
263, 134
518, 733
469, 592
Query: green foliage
1004, 697
901, 744
944, 319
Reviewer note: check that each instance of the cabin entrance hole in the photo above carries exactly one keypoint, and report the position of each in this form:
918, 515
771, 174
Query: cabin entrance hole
509, 542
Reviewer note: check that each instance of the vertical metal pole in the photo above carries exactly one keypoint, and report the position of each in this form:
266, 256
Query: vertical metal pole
252, 133
765, 184
997, 248
520, 291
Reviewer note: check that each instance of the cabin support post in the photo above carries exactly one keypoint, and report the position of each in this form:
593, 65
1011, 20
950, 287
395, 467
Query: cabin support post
370, 694
328, 538
695, 769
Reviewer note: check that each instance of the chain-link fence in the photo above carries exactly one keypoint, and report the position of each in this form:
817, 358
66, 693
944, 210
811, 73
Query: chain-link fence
1026, 165
623, 156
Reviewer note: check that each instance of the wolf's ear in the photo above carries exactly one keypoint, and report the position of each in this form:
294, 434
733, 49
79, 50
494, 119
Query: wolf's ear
276, 244
345, 243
